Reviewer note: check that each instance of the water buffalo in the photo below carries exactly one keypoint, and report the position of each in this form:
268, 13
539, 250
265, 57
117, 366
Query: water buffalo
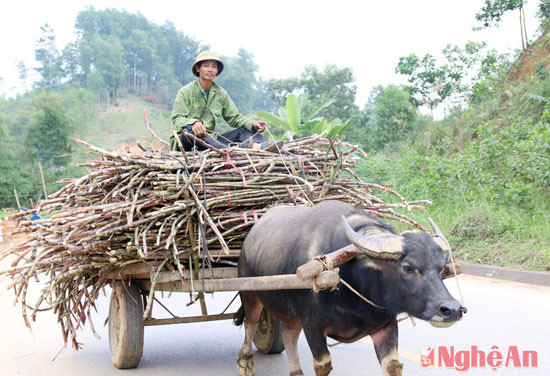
400, 273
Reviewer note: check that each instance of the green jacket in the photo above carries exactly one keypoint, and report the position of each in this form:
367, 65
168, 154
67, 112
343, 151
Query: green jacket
191, 106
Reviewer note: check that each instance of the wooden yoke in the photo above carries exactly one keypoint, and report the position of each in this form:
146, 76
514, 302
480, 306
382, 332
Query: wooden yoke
314, 267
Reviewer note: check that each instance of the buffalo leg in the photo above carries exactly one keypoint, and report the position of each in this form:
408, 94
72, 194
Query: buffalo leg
317, 341
385, 344
291, 332
252, 312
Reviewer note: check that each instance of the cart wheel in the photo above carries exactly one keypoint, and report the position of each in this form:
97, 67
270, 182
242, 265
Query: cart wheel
126, 325
269, 336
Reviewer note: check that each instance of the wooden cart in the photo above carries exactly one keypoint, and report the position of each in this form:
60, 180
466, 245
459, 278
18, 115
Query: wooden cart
131, 287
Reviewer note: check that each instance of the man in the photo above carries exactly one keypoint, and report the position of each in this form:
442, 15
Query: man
199, 104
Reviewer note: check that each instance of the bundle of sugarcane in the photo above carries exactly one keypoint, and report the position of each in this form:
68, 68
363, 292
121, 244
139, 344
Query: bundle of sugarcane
173, 210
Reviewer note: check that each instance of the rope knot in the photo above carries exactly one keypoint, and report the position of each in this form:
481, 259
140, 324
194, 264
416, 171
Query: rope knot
327, 266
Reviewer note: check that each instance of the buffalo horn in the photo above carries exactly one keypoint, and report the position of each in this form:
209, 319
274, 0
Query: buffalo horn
439, 238
384, 246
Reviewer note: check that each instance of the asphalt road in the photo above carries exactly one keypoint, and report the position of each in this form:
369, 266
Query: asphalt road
500, 314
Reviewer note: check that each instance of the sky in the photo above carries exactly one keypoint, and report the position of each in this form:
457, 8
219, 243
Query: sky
283, 36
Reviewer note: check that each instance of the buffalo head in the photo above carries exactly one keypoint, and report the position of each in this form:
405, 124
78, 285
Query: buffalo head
410, 266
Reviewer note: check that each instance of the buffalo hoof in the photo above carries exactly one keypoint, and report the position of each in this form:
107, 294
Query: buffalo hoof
394, 368
296, 373
245, 365
323, 370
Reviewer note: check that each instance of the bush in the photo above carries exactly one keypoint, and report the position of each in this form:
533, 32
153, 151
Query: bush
492, 199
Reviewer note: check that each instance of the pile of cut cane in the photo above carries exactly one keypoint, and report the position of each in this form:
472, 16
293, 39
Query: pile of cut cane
176, 210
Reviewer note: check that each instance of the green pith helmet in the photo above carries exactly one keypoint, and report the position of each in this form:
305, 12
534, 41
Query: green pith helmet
207, 55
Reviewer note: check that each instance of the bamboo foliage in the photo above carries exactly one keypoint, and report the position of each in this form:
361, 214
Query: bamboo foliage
179, 211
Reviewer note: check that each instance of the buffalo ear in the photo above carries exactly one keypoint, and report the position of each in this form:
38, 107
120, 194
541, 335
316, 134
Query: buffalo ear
385, 246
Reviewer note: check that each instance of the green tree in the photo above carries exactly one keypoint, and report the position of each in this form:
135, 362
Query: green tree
96, 84
156, 59
320, 86
392, 115
22, 71
80, 106
543, 14
491, 15
46, 136
180, 50
239, 79
263, 100
140, 52
473, 70
70, 58
106, 66
49, 58
359, 131
455, 81
12, 175
10, 170
429, 83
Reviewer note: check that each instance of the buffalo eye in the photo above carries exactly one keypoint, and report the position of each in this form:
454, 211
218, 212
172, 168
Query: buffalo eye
408, 269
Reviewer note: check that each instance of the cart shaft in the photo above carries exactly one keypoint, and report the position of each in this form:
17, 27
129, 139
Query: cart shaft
277, 282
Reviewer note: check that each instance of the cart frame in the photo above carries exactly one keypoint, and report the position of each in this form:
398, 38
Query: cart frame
132, 284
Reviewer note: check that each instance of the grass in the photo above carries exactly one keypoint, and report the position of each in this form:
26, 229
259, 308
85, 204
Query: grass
5, 213
481, 228
124, 123
483, 232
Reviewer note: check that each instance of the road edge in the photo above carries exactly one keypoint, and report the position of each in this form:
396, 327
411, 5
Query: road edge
507, 274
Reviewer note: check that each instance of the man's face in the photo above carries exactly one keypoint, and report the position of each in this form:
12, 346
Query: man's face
207, 69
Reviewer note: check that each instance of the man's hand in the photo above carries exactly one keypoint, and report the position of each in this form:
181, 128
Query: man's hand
260, 125
199, 129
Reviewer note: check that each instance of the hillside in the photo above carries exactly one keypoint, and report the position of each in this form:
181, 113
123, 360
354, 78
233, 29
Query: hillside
533, 59
122, 124
487, 168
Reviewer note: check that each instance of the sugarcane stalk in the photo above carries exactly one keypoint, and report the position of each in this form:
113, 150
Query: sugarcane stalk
146, 207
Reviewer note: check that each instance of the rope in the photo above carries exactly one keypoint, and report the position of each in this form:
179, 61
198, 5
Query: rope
454, 268
398, 320
328, 265
359, 294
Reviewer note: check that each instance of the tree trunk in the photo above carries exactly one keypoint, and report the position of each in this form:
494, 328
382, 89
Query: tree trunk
521, 30
135, 73
524, 28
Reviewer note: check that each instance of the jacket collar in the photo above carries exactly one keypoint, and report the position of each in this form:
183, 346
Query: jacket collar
213, 89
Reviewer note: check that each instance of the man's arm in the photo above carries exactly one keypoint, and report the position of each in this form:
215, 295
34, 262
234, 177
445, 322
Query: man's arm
181, 116
234, 118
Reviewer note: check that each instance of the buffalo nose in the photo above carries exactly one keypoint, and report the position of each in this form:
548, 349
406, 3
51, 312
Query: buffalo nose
450, 310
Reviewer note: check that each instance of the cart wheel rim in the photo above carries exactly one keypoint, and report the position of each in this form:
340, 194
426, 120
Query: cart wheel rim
263, 325
114, 327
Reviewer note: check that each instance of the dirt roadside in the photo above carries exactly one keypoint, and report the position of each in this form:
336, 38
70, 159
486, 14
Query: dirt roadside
8, 238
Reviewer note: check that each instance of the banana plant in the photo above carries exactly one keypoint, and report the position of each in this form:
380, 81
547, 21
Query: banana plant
295, 125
